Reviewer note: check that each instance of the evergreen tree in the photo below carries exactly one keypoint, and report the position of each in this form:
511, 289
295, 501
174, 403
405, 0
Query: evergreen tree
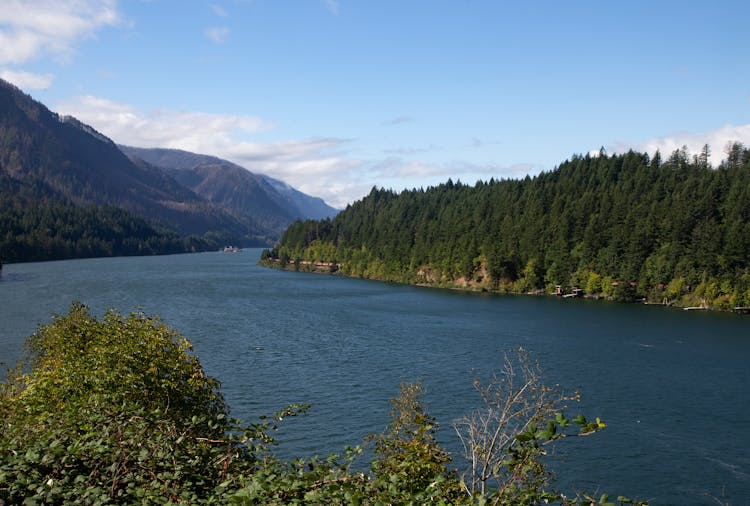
636, 221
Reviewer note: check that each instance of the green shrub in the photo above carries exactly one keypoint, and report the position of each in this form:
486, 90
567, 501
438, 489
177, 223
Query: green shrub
118, 411
112, 410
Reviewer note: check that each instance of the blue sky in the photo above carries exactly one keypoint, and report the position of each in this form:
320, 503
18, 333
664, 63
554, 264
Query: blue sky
337, 96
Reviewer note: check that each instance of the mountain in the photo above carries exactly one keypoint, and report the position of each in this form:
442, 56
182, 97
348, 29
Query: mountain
80, 165
271, 202
624, 227
49, 228
308, 207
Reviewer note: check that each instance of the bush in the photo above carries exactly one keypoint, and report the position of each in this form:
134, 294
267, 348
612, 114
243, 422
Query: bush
118, 410
112, 410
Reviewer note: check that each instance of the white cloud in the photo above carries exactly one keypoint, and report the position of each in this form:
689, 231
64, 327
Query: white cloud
407, 151
399, 173
320, 166
32, 28
217, 34
219, 10
716, 139
396, 168
315, 166
161, 127
333, 6
27, 80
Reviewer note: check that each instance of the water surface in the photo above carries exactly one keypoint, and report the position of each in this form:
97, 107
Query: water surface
671, 385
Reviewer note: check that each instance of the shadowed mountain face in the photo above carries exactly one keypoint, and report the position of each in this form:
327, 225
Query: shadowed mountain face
271, 202
78, 164
53, 159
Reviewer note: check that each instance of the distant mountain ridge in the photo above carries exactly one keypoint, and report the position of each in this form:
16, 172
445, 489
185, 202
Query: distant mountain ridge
88, 168
55, 160
227, 184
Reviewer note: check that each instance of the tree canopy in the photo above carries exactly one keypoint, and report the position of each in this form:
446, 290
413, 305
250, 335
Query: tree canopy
38, 224
623, 226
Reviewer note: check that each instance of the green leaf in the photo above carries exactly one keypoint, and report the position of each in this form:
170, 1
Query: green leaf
524, 437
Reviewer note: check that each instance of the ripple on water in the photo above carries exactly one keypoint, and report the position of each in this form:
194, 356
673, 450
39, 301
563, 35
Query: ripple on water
669, 384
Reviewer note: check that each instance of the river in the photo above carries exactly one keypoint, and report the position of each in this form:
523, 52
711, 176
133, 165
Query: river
671, 385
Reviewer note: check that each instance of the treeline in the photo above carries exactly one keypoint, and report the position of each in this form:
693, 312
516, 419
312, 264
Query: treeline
625, 226
36, 225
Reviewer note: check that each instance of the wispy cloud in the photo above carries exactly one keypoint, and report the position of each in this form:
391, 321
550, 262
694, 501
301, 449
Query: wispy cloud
219, 10
217, 34
320, 166
411, 150
333, 6
402, 173
317, 166
162, 127
717, 140
481, 143
398, 120
27, 80
398, 168
35, 28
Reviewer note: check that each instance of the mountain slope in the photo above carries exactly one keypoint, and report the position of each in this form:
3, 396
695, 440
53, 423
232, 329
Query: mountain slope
271, 202
86, 168
308, 207
35, 225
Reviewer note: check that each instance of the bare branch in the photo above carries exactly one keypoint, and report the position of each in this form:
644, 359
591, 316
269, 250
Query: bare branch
514, 401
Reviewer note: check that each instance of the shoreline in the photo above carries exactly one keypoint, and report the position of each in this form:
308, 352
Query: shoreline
334, 269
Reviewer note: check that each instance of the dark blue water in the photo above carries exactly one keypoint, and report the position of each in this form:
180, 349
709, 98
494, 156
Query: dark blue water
671, 385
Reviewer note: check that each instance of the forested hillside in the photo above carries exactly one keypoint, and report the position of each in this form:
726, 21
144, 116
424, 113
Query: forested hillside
269, 202
37, 224
67, 191
624, 226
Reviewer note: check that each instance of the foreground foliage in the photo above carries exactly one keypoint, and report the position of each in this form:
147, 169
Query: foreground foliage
623, 227
118, 410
